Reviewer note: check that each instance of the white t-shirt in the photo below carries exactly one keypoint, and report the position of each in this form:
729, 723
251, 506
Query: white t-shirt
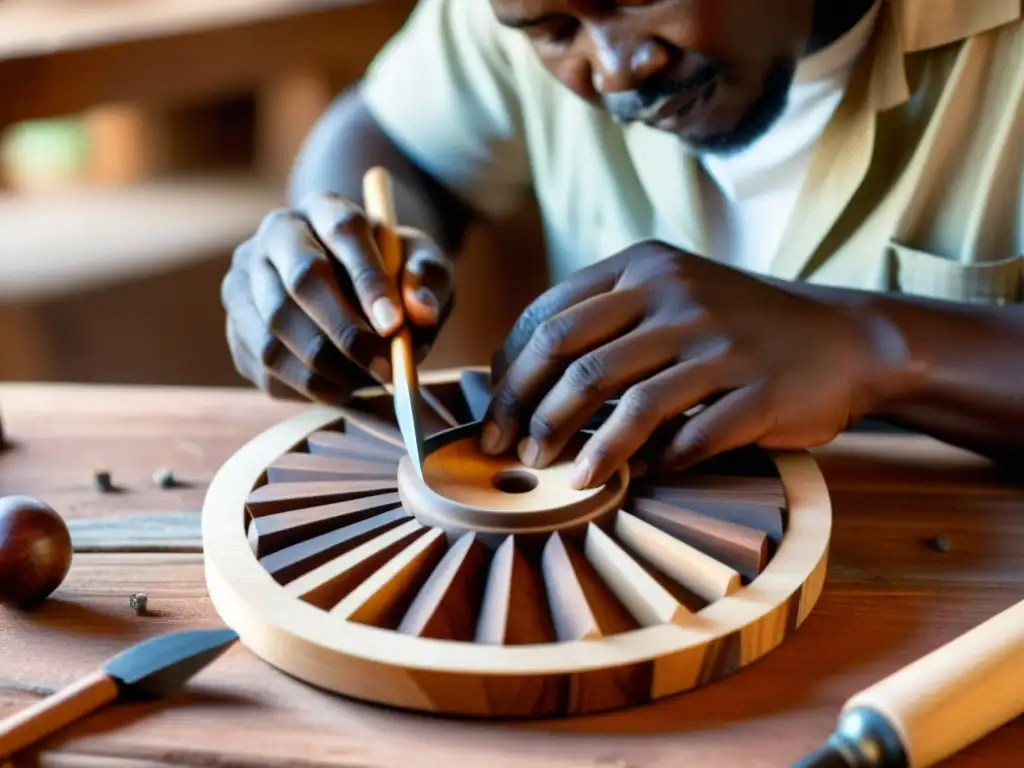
753, 193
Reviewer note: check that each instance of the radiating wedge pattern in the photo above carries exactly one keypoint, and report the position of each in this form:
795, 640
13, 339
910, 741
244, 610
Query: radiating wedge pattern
329, 526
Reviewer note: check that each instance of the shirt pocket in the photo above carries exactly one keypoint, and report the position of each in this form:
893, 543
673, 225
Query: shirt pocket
921, 273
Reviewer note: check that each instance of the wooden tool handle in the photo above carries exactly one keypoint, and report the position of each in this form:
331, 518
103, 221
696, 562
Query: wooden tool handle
380, 207
957, 694
379, 201
378, 198
44, 717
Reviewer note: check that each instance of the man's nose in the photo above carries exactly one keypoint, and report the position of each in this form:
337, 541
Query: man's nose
621, 62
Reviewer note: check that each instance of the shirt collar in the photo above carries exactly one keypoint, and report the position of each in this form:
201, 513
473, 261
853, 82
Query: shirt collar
911, 26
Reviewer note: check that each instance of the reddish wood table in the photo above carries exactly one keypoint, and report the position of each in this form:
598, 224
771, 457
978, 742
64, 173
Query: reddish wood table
889, 598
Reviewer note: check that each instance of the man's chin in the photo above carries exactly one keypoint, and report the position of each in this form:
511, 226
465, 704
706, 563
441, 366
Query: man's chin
724, 143
702, 142
758, 119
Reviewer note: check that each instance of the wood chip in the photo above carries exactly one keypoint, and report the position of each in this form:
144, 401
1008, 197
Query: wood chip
138, 603
101, 480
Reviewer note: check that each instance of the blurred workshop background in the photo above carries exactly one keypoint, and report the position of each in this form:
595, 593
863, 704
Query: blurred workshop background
142, 140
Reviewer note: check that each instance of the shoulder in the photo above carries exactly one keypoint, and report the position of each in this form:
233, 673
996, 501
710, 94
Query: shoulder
459, 31
460, 47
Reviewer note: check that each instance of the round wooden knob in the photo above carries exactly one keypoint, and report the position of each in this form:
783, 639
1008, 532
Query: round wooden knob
35, 551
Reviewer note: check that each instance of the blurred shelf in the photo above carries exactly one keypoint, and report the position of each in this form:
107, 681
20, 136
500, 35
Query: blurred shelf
61, 242
62, 56
34, 27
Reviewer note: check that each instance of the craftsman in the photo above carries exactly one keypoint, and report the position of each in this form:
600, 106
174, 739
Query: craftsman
794, 213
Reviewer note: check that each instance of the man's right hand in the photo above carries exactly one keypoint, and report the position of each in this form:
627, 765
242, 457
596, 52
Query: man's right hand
309, 306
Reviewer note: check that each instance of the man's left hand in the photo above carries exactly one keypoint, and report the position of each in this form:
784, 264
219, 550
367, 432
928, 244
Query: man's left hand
670, 331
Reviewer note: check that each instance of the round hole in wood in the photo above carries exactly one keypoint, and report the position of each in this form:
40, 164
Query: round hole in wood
514, 481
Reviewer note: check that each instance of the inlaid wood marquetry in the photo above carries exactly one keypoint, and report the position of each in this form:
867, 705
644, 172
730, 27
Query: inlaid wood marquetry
484, 587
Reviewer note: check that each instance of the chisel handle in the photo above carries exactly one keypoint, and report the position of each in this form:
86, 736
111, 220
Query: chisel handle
33, 723
955, 695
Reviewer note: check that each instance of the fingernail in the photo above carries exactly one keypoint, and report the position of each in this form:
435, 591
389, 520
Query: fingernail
489, 438
385, 314
425, 297
381, 369
529, 451
582, 473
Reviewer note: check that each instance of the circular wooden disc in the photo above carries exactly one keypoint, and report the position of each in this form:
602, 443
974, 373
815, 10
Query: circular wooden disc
312, 557
462, 489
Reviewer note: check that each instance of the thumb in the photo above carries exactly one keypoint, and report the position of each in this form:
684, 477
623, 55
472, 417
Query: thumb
427, 279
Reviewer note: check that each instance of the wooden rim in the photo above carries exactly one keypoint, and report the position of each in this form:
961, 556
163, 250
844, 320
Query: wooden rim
390, 667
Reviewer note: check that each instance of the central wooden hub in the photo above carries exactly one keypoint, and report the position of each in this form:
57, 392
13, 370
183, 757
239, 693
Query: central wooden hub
463, 489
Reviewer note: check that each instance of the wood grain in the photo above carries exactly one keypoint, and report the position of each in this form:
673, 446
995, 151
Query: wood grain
140, 532
687, 566
582, 606
274, 498
888, 600
330, 583
742, 548
304, 556
236, 712
709, 487
383, 598
448, 605
302, 467
348, 446
271, 533
766, 518
513, 609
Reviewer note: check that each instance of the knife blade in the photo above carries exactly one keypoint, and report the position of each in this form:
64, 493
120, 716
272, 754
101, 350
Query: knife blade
379, 202
150, 669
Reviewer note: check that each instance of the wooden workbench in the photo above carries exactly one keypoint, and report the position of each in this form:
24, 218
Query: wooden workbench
888, 599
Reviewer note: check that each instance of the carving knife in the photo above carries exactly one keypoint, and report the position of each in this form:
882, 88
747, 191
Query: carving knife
936, 706
380, 207
151, 669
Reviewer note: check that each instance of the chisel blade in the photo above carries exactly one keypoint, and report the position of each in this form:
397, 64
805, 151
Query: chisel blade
406, 392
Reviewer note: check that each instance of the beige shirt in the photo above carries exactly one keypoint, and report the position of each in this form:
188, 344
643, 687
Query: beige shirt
916, 185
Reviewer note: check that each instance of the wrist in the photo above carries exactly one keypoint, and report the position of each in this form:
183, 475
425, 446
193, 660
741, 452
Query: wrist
894, 367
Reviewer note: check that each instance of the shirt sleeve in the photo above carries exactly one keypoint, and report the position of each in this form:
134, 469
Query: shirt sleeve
443, 90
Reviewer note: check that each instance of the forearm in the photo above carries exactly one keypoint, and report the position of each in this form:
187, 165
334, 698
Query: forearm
345, 143
960, 372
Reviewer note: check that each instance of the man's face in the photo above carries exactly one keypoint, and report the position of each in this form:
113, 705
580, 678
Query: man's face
714, 72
